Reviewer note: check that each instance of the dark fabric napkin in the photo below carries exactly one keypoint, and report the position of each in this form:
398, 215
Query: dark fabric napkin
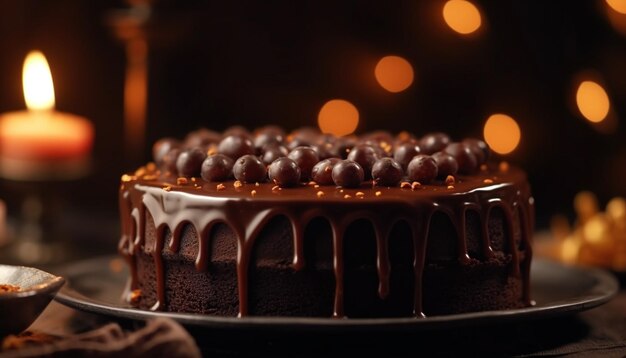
161, 337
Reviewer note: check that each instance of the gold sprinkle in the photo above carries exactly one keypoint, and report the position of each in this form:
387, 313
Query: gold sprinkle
237, 184
221, 186
360, 194
311, 183
320, 194
416, 185
450, 186
253, 192
405, 185
378, 193
135, 296
257, 184
151, 167
327, 169
167, 188
140, 172
347, 196
504, 166
483, 167
212, 150
488, 181
450, 180
275, 188
126, 178
341, 190
149, 177
181, 181
316, 186
193, 179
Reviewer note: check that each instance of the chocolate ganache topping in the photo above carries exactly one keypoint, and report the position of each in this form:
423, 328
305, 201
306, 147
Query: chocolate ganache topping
211, 178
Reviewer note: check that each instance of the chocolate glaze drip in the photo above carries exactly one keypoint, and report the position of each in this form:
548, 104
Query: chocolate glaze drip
173, 206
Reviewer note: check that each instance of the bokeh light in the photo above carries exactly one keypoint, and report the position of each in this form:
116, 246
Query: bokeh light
617, 5
502, 133
394, 73
338, 117
592, 101
462, 16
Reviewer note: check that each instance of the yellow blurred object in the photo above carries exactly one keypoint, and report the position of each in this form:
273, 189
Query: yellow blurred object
597, 238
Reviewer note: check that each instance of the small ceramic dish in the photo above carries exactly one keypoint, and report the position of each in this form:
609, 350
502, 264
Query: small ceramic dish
20, 308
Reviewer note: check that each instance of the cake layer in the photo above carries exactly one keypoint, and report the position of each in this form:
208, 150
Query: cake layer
255, 249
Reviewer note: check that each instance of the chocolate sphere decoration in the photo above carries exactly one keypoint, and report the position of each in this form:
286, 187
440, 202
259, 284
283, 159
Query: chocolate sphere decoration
366, 156
273, 152
263, 139
249, 169
348, 174
405, 152
235, 146
479, 148
284, 172
387, 172
422, 168
465, 158
190, 161
322, 171
341, 148
217, 167
240, 131
446, 164
168, 163
434, 142
306, 158
202, 138
161, 147
322, 150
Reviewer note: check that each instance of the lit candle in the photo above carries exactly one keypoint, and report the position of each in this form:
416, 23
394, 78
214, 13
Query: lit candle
42, 143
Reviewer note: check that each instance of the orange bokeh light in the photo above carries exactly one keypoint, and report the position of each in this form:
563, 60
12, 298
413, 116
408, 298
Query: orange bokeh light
462, 16
502, 133
617, 5
338, 117
394, 73
592, 101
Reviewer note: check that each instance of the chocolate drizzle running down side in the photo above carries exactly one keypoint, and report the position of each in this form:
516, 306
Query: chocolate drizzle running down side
203, 206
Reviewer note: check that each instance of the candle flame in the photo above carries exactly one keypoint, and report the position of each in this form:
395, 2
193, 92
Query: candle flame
37, 82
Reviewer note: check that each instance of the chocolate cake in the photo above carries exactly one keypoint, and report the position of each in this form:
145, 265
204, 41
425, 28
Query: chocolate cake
306, 224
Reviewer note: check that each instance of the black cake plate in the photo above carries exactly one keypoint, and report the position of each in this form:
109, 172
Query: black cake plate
96, 286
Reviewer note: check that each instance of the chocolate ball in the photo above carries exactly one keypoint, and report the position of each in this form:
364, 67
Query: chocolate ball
387, 172
479, 148
168, 162
273, 152
240, 131
202, 138
322, 150
422, 168
249, 169
366, 156
306, 158
322, 171
217, 167
341, 148
446, 164
434, 142
190, 161
405, 152
348, 174
263, 139
464, 156
235, 146
284, 172
161, 147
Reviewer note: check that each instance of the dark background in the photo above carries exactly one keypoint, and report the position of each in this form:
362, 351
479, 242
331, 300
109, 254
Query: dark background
220, 63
